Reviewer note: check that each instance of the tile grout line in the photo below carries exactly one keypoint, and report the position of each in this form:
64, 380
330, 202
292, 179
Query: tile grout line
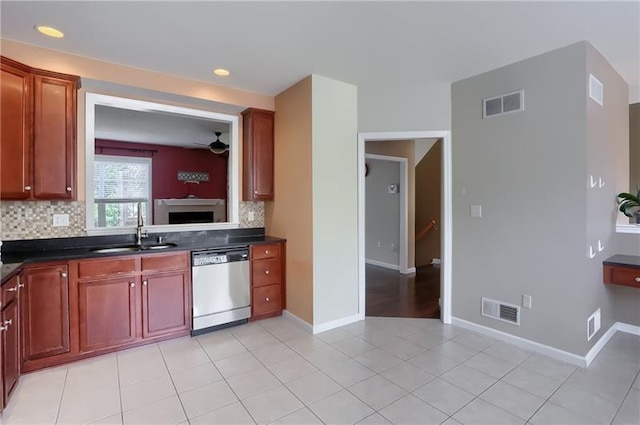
64, 387
173, 383
119, 387
625, 397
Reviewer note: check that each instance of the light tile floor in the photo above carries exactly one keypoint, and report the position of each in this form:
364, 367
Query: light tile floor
377, 371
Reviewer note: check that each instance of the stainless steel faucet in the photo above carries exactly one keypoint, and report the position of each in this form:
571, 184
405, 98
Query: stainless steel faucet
140, 232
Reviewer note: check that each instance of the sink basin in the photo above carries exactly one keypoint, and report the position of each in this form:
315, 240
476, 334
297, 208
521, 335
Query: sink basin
159, 246
131, 248
107, 250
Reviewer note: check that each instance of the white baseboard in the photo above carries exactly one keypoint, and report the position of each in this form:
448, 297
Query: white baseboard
630, 329
290, 316
556, 353
382, 264
336, 323
410, 270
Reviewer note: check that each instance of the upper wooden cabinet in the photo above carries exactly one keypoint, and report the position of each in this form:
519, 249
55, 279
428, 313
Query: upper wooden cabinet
38, 121
257, 133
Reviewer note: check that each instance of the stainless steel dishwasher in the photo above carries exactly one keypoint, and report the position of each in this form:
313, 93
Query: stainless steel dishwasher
221, 288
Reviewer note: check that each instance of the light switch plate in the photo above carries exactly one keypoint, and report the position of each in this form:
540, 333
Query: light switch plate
60, 220
526, 301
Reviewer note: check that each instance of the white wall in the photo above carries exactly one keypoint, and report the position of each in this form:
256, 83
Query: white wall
335, 195
382, 213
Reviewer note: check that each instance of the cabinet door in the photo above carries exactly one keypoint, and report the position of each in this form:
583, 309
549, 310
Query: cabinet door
258, 126
166, 303
107, 313
45, 312
10, 348
15, 136
54, 141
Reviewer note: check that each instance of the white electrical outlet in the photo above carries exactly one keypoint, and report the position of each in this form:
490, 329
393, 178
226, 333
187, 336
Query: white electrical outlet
60, 220
393, 247
379, 244
251, 216
476, 211
526, 301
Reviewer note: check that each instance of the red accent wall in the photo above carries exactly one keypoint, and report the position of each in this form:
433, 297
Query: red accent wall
166, 163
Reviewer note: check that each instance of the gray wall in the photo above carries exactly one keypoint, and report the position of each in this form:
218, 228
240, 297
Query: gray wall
382, 212
634, 145
608, 159
528, 170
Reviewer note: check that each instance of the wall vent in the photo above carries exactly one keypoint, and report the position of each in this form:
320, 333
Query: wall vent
506, 103
501, 311
596, 90
593, 324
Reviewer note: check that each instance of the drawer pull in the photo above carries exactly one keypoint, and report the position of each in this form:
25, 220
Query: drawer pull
27, 188
63, 274
8, 322
267, 299
638, 279
144, 282
4, 328
14, 289
266, 251
68, 188
266, 272
21, 285
133, 285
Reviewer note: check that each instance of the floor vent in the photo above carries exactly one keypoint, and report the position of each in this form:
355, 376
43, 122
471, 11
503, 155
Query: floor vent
501, 311
593, 324
506, 103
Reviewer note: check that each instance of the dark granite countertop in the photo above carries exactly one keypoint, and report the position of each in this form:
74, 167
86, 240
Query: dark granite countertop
623, 260
16, 253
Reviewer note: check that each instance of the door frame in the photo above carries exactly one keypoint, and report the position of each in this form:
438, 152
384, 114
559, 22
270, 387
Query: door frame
403, 243
446, 220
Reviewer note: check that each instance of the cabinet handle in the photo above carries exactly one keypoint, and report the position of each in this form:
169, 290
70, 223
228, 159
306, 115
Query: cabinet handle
267, 299
266, 272
144, 282
255, 191
266, 251
63, 274
21, 285
638, 279
14, 289
4, 328
27, 188
8, 322
68, 188
133, 285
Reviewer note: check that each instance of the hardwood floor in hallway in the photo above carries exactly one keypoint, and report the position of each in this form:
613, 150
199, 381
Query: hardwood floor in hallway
391, 294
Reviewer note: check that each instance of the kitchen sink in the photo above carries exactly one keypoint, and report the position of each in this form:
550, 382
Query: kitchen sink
159, 246
131, 248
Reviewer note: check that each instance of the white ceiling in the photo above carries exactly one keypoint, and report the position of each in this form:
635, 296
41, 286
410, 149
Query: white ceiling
268, 46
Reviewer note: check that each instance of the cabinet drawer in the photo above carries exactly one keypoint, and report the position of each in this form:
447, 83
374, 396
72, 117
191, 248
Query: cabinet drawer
106, 266
259, 252
266, 299
628, 276
165, 261
266, 272
10, 290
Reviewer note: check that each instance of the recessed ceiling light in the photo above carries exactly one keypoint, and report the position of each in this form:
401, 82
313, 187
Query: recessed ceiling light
221, 72
50, 31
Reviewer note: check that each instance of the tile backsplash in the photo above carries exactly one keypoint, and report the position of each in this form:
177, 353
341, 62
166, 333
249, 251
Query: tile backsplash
34, 219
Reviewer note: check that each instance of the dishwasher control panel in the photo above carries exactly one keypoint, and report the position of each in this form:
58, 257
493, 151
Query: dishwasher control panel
209, 259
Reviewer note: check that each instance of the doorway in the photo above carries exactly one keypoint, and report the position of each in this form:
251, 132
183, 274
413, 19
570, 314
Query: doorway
446, 218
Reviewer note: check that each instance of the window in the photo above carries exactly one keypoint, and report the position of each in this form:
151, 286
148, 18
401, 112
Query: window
120, 184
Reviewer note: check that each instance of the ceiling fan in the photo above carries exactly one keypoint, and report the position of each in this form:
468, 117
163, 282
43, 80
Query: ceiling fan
217, 147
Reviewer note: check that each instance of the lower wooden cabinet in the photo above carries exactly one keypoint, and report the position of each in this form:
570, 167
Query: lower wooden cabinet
9, 339
267, 280
166, 303
107, 313
45, 312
